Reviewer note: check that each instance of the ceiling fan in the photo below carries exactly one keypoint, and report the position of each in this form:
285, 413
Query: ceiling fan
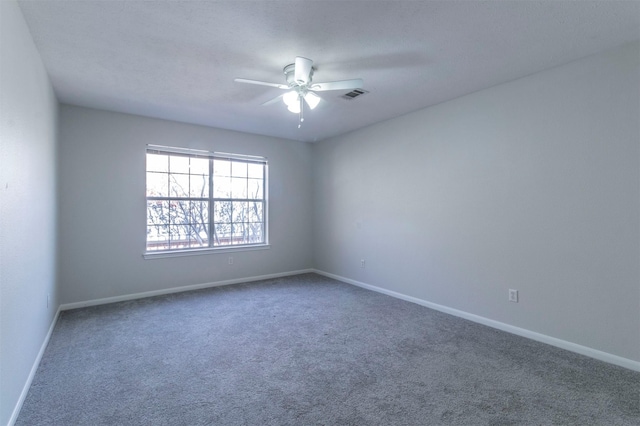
301, 88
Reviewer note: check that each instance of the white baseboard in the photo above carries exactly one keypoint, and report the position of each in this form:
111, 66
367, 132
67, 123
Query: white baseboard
563, 344
142, 295
32, 373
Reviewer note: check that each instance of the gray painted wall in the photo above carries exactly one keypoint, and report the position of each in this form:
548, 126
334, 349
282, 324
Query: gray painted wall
28, 115
103, 206
531, 185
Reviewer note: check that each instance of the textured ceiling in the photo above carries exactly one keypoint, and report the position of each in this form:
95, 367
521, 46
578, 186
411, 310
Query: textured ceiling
177, 59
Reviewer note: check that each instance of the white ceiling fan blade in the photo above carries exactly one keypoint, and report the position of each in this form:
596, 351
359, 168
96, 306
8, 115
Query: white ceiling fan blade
303, 69
356, 83
272, 101
261, 83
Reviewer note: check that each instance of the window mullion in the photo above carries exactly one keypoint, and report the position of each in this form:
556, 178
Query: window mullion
211, 222
169, 228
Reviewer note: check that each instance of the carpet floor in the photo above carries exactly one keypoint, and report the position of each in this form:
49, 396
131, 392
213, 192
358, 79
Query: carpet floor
309, 350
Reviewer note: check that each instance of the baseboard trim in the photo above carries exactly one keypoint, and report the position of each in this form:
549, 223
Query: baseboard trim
142, 295
32, 373
563, 344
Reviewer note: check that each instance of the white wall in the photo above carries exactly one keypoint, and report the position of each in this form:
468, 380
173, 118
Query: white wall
28, 114
103, 206
531, 185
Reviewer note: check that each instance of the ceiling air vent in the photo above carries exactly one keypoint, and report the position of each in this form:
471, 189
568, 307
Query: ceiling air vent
354, 94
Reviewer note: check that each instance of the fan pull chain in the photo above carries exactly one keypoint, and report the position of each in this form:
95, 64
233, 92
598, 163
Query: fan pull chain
301, 109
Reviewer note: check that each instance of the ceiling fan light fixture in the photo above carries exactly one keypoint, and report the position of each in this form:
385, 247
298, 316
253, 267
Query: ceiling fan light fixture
294, 107
312, 99
291, 98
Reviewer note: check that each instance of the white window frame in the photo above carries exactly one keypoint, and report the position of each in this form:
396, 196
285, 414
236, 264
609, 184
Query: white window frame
211, 248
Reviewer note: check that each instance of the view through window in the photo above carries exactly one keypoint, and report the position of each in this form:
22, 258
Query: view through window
198, 200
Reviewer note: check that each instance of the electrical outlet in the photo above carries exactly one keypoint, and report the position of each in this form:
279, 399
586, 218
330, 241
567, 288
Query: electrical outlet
362, 263
513, 295
230, 260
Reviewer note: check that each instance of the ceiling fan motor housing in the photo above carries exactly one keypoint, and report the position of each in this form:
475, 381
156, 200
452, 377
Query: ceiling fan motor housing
290, 75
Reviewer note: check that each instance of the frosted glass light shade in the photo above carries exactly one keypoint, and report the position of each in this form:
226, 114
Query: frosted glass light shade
291, 98
294, 107
312, 99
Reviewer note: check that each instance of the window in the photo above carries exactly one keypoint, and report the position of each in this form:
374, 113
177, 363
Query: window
201, 200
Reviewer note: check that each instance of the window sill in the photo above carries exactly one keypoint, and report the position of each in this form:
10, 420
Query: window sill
196, 252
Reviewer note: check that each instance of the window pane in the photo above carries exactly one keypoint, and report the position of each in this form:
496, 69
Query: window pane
157, 212
255, 234
239, 169
255, 170
195, 232
255, 189
222, 212
180, 212
157, 185
178, 164
200, 212
221, 168
222, 234
201, 239
238, 188
199, 186
199, 166
197, 229
157, 163
221, 187
197, 242
240, 211
157, 238
178, 185
255, 212
199, 223
179, 236
239, 233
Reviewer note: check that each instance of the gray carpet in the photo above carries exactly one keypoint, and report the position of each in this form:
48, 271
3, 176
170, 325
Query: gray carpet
308, 350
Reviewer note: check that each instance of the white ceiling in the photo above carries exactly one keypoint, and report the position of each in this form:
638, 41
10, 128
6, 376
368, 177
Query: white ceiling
177, 59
